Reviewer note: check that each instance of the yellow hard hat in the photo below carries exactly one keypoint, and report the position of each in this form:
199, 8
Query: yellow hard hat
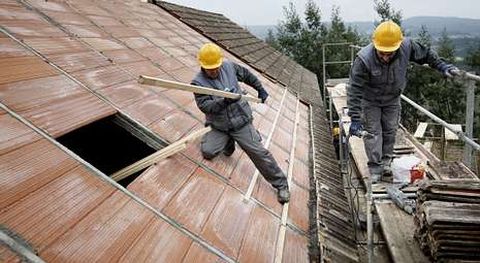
387, 36
336, 131
210, 56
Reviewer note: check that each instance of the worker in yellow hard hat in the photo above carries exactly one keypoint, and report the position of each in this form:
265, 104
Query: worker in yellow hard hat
377, 79
231, 119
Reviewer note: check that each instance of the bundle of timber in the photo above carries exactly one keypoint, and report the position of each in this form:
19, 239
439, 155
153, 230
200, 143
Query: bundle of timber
447, 221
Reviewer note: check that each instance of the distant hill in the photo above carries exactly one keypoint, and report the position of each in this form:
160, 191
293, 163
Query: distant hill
464, 32
464, 27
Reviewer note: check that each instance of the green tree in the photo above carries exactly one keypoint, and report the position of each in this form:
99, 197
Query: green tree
446, 48
450, 95
312, 36
426, 86
271, 39
289, 31
300, 40
303, 40
472, 60
386, 12
419, 80
339, 33
424, 37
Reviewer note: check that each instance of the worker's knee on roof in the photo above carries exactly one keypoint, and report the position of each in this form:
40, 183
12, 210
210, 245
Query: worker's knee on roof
208, 152
208, 155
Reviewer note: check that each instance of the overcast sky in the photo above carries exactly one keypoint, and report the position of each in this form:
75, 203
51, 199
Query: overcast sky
269, 12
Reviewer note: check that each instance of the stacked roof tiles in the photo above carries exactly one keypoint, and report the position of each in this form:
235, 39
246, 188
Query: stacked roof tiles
66, 64
448, 218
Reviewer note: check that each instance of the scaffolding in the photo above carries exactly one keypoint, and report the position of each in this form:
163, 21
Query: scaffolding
470, 145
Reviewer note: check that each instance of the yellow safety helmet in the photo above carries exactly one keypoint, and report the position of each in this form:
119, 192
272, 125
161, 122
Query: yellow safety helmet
336, 131
210, 56
387, 36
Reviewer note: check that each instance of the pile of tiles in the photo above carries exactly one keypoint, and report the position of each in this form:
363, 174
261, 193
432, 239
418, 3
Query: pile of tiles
447, 221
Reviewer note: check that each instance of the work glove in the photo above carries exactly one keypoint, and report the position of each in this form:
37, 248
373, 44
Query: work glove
229, 101
262, 94
448, 70
356, 128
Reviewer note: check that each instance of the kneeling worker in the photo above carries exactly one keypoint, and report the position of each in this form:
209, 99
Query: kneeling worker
231, 119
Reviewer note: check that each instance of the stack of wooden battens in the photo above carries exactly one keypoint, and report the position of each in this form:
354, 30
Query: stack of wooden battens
447, 220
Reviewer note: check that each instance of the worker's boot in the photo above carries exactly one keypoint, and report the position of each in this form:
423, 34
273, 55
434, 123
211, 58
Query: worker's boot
229, 148
283, 195
387, 170
375, 177
387, 166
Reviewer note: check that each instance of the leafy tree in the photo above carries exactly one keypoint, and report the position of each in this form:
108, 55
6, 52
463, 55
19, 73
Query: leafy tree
386, 12
313, 17
472, 60
446, 49
312, 37
424, 37
339, 33
271, 40
444, 97
288, 31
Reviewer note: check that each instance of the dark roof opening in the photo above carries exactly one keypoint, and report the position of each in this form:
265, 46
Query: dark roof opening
107, 146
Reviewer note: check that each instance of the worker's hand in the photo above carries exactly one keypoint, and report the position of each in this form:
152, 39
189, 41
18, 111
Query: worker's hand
229, 101
263, 95
356, 128
449, 70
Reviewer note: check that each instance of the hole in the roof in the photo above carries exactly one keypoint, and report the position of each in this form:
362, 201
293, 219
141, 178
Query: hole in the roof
107, 146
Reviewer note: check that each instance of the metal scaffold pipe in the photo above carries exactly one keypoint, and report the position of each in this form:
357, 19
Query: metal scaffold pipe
467, 75
445, 124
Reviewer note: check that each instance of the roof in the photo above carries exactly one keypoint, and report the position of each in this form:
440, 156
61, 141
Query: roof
66, 64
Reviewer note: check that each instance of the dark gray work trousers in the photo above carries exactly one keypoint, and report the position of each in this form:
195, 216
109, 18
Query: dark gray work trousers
249, 140
382, 122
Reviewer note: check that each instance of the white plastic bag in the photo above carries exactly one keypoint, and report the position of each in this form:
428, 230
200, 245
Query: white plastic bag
401, 168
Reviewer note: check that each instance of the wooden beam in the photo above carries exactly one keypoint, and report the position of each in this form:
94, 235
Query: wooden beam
168, 84
283, 222
18, 246
398, 229
159, 155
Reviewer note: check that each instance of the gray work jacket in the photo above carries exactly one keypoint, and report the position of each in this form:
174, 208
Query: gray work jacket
375, 82
220, 115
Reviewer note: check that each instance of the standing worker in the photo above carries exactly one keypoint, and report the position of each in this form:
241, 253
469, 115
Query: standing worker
231, 119
377, 79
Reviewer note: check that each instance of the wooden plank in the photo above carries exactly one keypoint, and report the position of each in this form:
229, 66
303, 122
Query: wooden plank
19, 246
398, 229
422, 127
168, 84
164, 153
449, 135
283, 224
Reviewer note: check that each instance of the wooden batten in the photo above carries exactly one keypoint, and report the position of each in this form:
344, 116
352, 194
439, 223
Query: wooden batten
159, 155
168, 84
